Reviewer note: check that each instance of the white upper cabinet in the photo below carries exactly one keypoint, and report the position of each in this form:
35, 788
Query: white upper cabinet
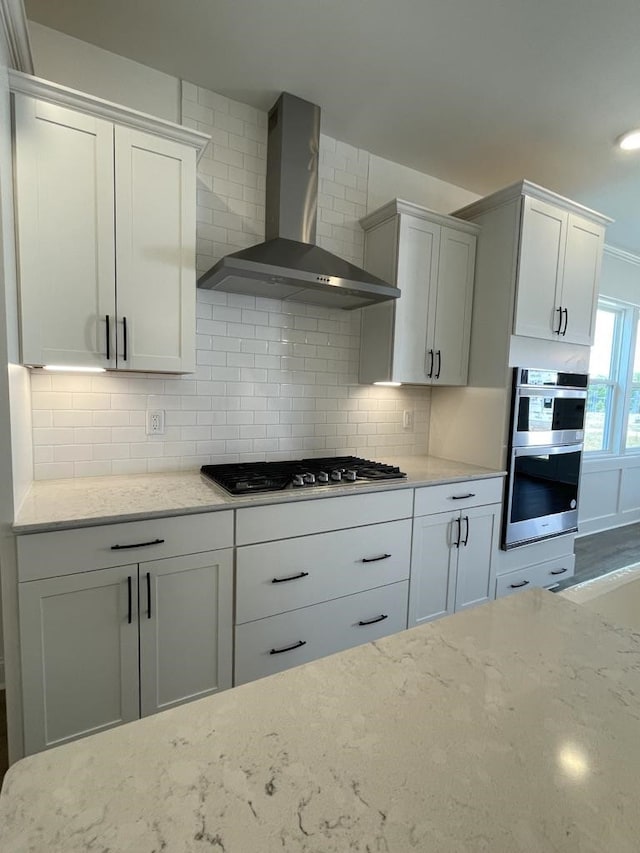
541, 254
105, 232
560, 257
422, 337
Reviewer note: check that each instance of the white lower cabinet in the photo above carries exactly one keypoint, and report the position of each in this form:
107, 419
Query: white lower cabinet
542, 574
107, 645
316, 577
278, 642
453, 554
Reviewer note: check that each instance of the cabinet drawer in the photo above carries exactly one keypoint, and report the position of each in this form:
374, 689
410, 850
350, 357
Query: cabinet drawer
322, 629
278, 576
431, 499
65, 552
542, 574
278, 521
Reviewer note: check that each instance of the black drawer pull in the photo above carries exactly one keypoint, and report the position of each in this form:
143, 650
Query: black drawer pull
148, 595
463, 497
558, 571
380, 618
518, 585
129, 615
375, 559
137, 545
291, 578
288, 648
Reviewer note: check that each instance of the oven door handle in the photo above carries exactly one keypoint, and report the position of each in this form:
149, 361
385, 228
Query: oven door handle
548, 449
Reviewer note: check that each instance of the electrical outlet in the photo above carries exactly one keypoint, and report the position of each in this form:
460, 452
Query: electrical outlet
407, 419
155, 422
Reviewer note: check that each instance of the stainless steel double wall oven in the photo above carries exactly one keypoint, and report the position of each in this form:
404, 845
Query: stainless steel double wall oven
545, 455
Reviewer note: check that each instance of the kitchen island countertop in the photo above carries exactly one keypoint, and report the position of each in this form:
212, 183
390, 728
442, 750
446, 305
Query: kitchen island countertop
85, 501
510, 728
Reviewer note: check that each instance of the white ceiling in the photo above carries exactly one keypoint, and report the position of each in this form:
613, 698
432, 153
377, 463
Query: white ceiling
476, 92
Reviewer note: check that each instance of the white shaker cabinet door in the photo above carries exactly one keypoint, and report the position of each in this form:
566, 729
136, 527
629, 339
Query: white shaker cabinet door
475, 580
540, 270
79, 642
580, 283
186, 632
155, 240
453, 306
64, 206
432, 587
415, 310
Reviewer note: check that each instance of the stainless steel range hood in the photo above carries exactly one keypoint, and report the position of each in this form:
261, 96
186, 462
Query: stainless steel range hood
288, 265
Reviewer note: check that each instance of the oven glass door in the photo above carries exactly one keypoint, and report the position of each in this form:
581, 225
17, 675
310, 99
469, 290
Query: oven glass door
548, 417
543, 493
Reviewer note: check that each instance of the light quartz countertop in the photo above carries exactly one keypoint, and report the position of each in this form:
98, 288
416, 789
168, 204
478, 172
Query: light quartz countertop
85, 501
509, 728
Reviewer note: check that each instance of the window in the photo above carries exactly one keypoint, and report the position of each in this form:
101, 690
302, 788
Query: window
603, 369
632, 438
612, 422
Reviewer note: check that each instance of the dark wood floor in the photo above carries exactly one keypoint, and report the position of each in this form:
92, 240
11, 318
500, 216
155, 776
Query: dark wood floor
601, 553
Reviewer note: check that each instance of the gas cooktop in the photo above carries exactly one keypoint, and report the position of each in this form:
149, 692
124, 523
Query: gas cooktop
250, 477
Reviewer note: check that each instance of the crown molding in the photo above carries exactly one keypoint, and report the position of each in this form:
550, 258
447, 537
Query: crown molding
398, 207
527, 188
13, 25
54, 93
622, 255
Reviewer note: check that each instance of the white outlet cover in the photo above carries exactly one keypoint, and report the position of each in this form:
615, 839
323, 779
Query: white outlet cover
155, 422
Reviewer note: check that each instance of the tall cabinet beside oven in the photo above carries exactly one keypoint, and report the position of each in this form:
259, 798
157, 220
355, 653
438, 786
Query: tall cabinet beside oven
536, 286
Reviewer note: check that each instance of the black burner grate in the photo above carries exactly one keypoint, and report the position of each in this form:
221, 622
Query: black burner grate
249, 477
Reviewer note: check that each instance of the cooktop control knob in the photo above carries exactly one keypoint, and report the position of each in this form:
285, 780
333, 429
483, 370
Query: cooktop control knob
351, 475
310, 478
323, 477
336, 476
298, 480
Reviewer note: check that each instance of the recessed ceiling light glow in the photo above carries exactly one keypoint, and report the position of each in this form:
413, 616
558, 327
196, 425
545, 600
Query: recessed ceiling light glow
389, 384
69, 368
630, 141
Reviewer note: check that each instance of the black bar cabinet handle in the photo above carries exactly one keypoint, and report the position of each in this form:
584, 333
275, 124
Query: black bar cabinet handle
518, 585
137, 545
565, 311
375, 559
288, 648
558, 571
108, 322
439, 354
463, 497
373, 621
466, 533
291, 578
129, 616
124, 330
430, 371
457, 542
148, 595
557, 331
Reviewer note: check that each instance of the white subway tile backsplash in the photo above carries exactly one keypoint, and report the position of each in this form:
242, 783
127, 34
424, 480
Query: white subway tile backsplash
274, 379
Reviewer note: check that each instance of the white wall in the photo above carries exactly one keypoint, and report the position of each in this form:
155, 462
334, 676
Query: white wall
83, 66
610, 486
389, 180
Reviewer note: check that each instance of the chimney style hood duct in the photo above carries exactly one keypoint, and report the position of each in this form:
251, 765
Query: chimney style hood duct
288, 265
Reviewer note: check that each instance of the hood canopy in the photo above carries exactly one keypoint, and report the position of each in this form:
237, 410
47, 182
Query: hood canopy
288, 264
